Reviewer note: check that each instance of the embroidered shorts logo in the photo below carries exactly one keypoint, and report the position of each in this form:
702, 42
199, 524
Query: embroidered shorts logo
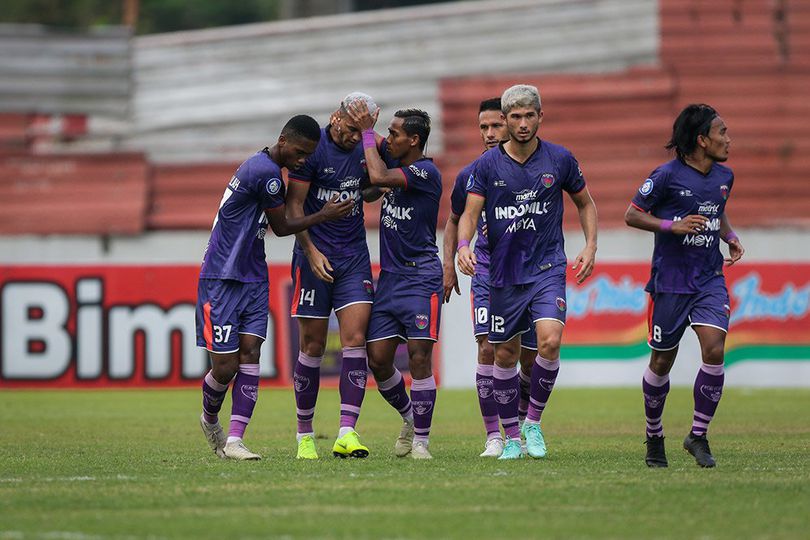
505, 396
251, 392
561, 303
712, 392
646, 187
358, 377
273, 186
422, 321
300, 382
422, 407
484, 388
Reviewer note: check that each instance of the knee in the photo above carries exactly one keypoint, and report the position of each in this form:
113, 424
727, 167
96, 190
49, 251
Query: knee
377, 365
506, 356
225, 369
354, 339
249, 355
486, 355
312, 346
549, 347
420, 365
713, 354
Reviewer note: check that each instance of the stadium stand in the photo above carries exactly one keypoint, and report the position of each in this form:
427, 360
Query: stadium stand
748, 59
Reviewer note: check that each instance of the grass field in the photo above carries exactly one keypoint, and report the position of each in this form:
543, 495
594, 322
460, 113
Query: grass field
134, 464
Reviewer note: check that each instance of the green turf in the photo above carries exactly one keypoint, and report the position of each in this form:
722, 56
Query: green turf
134, 464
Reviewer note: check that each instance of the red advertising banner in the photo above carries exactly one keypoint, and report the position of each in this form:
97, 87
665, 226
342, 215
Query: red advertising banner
125, 326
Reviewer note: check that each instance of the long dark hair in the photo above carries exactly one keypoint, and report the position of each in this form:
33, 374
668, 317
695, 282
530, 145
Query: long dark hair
695, 119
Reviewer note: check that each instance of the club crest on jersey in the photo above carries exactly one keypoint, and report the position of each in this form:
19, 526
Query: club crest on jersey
300, 382
422, 321
711, 392
273, 186
368, 286
724, 191
250, 391
505, 396
646, 187
358, 377
727, 309
547, 180
561, 305
422, 407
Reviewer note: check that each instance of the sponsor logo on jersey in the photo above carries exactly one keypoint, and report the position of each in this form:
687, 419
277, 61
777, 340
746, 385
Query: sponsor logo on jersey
484, 388
708, 208
646, 187
250, 391
685, 193
499, 183
358, 377
422, 407
525, 195
711, 392
273, 186
422, 321
548, 180
421, 173
329, 170
234, 183
561, 303
470, 182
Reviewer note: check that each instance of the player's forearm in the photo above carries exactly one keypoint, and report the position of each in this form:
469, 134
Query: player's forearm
296, 212
298, 225
588, 219
642, 220
450, 239
372, 193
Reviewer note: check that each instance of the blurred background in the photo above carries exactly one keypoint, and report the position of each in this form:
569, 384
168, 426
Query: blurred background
121, 123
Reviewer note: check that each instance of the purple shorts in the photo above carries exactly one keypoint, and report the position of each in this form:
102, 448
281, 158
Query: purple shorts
315, 298
227, 308
668, 314
515, 308
479, 300
406, 307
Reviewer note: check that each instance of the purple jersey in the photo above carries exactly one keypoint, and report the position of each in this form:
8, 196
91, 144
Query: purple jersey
458, 199
236, 247
331, 171
683, 263
408, 220
524, 208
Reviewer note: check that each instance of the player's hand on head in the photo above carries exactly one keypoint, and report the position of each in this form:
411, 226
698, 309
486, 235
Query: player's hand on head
735, 251
691, 224
466, 261
319, 264
336, 209
450, 281
585, 262
360, 115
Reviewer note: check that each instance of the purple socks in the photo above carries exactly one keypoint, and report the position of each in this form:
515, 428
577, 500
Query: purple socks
544, 375
506, 390
707, 391
306, 381
353, 374
245, 393
486, 400
655, 388
423, 399
213, 394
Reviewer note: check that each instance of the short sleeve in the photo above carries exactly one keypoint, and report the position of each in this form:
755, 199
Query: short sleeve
458, 197
573, 181
477, 182
271, 191
306, 172
651, 191
423, 176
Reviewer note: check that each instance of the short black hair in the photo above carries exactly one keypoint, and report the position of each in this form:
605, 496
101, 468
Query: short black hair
491, 104
302, 127
696, 119
415, 122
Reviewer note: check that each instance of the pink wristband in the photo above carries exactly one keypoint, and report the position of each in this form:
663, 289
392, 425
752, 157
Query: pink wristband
666, 225
462, 243
731, 236
369, 139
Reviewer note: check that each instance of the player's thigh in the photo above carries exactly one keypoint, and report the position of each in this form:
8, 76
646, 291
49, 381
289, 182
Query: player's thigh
509, 313
479, 301
218, 315
352, 283
421, 311
709, 317
667, 320
384, 322
312, 297
548, 309
353, 321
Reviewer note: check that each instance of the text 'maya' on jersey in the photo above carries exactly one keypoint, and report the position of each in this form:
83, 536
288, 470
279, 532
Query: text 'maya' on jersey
236, 247
524, 208
458, 199
683, 263
408, 219
331, 171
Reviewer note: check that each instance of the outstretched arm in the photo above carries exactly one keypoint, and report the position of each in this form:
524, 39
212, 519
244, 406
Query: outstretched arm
639, 219
588, 220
